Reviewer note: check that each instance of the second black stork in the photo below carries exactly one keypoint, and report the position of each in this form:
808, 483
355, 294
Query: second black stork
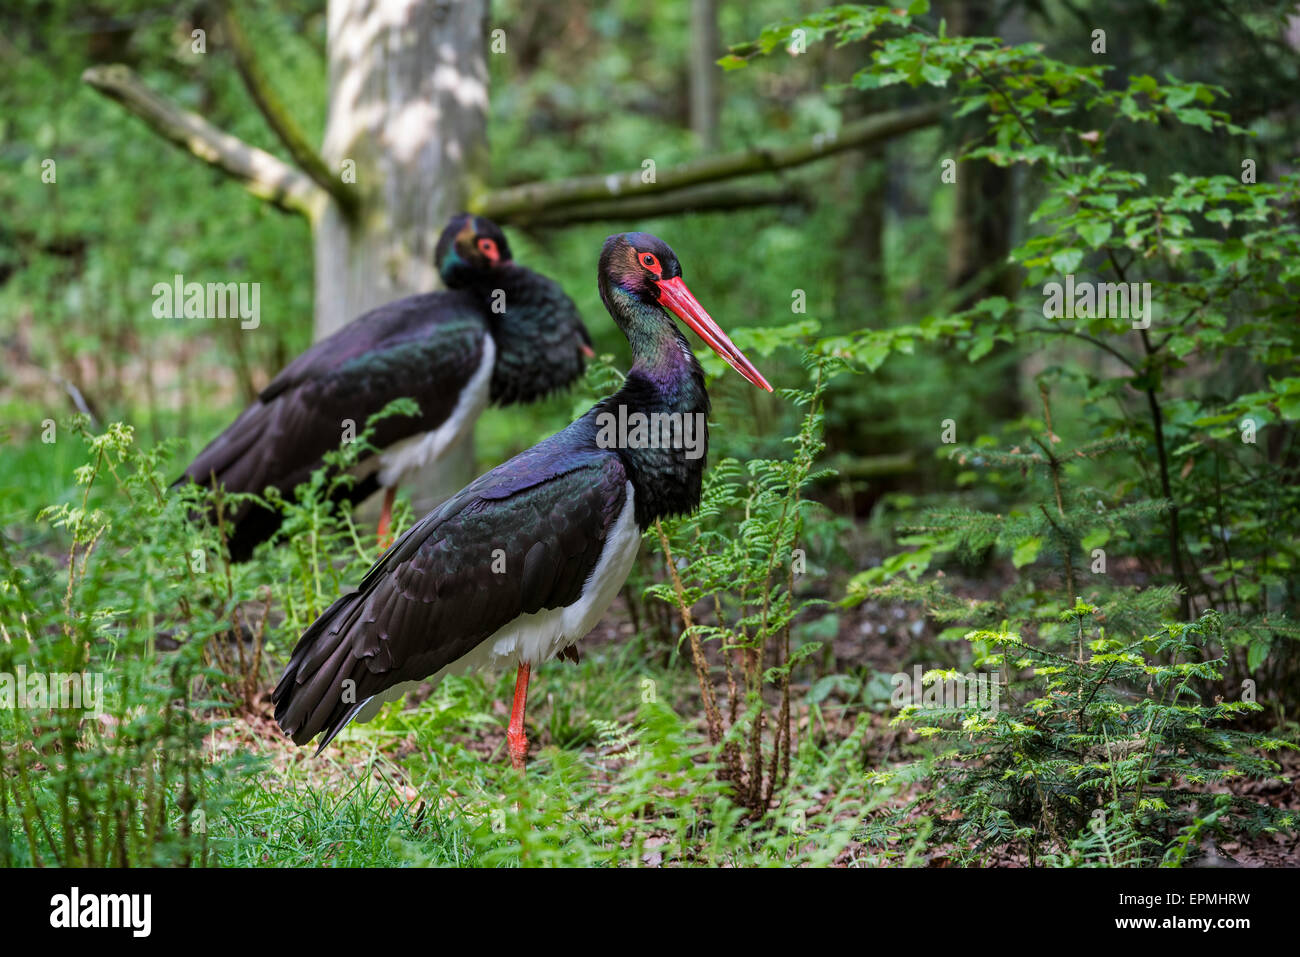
522, 563
500, 333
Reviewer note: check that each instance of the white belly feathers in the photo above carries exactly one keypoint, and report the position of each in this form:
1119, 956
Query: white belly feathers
411, 454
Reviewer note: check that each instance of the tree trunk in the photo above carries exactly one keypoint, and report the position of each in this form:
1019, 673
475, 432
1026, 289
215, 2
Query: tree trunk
407, 118
704, 73
408, 109
981, 238
862, 182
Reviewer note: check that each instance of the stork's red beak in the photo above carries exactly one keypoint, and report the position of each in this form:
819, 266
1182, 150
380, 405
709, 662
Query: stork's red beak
674, 296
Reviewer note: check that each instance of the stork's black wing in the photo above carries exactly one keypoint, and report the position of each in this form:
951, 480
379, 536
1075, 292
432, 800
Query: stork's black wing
436, 594
423, 347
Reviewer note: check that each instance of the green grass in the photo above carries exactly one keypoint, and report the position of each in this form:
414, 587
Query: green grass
289, 820
432, 786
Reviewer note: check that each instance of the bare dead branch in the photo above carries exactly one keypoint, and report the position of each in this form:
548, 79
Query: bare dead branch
278, 117
533, 199
261, 174
710, 196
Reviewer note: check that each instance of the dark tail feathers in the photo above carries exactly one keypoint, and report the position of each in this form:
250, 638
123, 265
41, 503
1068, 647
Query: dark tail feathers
312, 695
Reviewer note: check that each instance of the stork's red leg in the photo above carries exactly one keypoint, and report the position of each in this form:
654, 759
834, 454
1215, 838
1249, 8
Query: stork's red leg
386, 517
515, 733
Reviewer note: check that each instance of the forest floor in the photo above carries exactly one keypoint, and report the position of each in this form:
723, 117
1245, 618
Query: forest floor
871, 640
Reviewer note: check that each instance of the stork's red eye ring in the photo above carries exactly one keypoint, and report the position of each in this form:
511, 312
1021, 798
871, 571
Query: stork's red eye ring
488, 248
650, 262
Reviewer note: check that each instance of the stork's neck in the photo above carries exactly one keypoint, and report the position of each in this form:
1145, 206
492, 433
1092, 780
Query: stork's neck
666, 386
660, 353
531, 321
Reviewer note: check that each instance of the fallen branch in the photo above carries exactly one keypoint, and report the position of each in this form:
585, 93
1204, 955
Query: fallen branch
534, 199
261, 174
875, 466
711, 196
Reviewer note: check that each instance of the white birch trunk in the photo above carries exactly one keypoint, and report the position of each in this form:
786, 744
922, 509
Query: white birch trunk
407, 117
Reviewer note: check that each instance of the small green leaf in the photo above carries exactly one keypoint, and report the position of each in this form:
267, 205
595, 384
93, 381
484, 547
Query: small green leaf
1196, 118
935, 75
1095, 539
1257, 653
1067, 260
1094, 233
1026, 551
1221, 216
995, 306
983, 346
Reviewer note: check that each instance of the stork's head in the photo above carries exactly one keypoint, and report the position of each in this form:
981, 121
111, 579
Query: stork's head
469, 249
642, 269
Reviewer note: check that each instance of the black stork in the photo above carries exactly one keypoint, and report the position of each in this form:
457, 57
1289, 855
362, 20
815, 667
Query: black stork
500, 333
525, 560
